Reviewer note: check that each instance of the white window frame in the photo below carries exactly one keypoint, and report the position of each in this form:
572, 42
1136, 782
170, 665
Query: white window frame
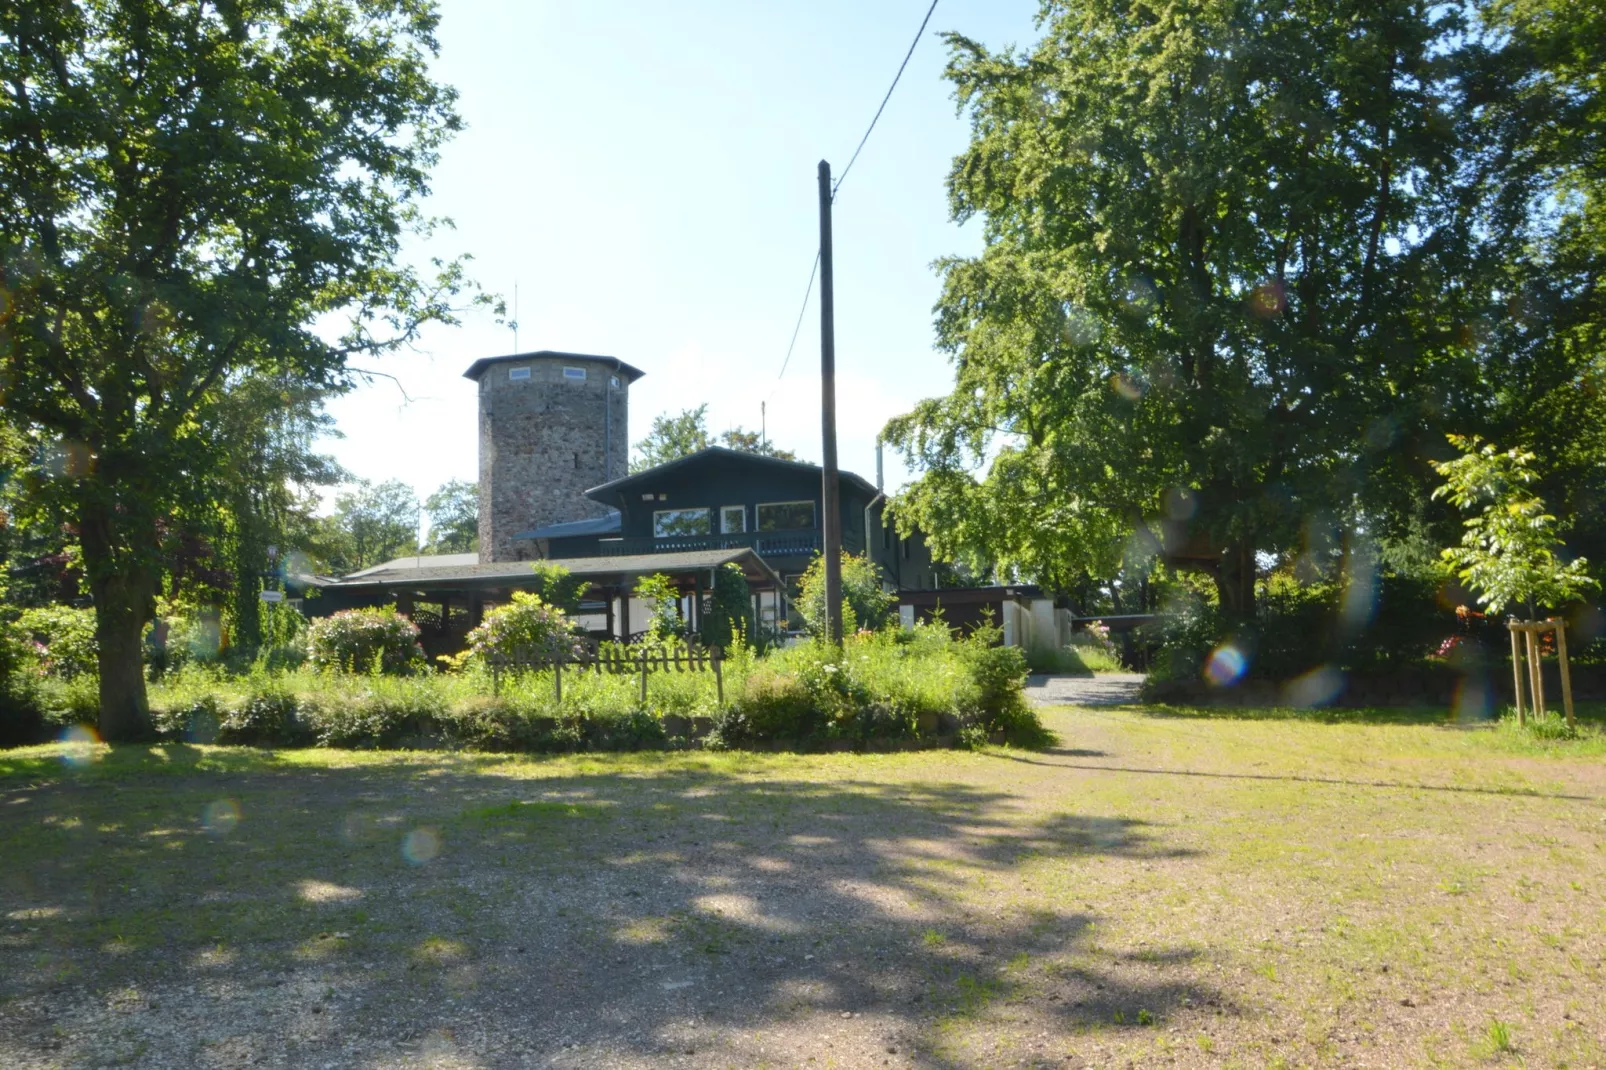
518, 374
659, 534
723, 530
577, 375
813, 511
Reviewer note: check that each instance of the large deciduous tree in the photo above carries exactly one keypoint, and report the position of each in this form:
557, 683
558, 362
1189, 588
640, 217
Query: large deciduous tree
186, 188
1245, 264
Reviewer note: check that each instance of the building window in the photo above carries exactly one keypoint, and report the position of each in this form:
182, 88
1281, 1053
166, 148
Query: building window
732, 519
906, 549
577, 374
613, 381
670, 522
785, 516
518, 373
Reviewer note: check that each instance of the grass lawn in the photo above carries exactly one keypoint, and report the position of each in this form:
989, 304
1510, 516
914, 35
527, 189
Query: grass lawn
1162, 888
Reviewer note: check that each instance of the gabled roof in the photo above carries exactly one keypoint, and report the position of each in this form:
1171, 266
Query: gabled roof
591, 525
716, 453
404, 573
417, 561
477, 369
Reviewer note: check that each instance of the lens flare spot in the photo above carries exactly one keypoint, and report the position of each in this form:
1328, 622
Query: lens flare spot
1126, 386
1181, 503
1268, 299
220, 817
1226, 665
1081, 328
65, 459
1318, 687
421, 845
82, 745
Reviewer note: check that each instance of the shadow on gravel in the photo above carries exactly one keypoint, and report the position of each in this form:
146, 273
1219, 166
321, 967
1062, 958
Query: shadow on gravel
205, 902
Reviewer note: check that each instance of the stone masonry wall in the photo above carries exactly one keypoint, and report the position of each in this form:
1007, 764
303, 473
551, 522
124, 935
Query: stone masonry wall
544, 441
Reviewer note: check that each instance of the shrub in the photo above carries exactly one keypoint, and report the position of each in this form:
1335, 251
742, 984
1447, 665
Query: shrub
60, 640
665, 623
526, 629
730, 610
998, 678
377, 716
358, 640
21, 719
200, 721
865, 603
267, 718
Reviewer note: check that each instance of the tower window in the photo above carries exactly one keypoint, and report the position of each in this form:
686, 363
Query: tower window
518, 373
613, 381
577, 460
577, 374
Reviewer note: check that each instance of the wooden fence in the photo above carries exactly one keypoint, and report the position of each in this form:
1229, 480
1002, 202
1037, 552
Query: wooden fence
617, 660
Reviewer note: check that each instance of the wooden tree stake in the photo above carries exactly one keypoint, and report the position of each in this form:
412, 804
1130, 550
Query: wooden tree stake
1566, 672
1516, 673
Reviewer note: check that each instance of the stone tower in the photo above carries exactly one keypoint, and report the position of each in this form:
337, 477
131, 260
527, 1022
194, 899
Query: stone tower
552, 426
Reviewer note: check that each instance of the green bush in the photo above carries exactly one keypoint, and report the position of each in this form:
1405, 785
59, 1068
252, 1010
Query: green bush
21, 718
526, 629
267, 718
377, 716
361, 640
59, 640
729, 618
866, 604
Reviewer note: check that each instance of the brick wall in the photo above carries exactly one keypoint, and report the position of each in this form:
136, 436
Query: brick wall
544, 441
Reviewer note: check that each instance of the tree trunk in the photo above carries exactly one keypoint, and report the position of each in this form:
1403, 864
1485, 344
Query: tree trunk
124, 593
1235, 581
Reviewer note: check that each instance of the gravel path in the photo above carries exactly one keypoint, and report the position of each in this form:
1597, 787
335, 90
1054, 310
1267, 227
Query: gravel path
1109, 689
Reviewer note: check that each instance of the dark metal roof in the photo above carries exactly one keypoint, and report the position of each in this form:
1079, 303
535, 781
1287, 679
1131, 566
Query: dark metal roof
591, 525
713, 453
416, 561
477, 369
402, 573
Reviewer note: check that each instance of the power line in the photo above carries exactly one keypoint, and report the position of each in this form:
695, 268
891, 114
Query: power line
843, 176
798, 326
809, 289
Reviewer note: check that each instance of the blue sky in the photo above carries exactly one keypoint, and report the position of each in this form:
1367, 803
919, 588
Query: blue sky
646, 174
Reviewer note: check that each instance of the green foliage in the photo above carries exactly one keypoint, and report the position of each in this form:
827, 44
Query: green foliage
59, 640
671, 438
1244, 265
665, 623
674, 437
372, 523
865, 604
878, 689
1508, 553
267, 718
1384, 623
454, 517
557, 587
376, 639
729, 617
525, 629
193, 192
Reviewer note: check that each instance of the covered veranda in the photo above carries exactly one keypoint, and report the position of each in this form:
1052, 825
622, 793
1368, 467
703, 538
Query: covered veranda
447, 595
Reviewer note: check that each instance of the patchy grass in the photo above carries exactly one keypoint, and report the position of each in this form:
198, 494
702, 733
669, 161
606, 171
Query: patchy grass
1187, 887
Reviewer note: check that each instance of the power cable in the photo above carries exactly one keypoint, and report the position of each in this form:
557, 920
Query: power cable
843, 176
808, 290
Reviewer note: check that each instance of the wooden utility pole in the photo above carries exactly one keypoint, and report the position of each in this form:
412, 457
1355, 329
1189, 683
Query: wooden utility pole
831, 489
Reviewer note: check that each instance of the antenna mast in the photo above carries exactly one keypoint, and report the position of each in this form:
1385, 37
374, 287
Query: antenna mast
514, 323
